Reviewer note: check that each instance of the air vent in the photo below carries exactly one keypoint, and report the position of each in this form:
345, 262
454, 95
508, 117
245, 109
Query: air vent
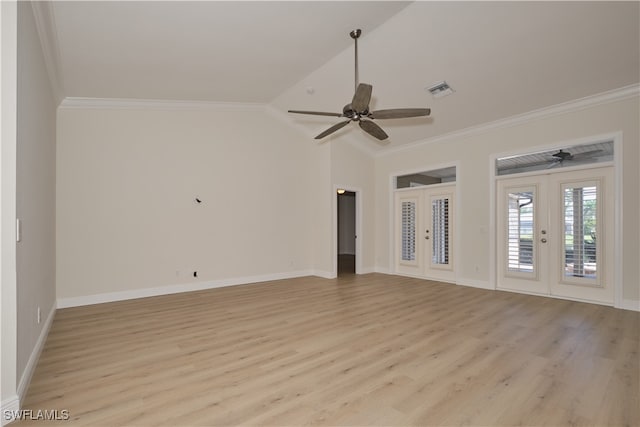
440, 89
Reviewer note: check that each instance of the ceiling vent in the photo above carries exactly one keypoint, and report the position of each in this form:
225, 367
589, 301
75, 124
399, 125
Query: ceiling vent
440, 89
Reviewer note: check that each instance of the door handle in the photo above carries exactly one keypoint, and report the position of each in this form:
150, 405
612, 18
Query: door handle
543, 240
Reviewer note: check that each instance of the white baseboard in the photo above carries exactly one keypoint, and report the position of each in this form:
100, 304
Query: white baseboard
175, 289
324, 274
382, 270
629, 304
27, 374
9, 409
473, 283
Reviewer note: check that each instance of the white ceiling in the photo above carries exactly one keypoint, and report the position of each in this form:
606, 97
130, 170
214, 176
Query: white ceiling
205, 51
501, 58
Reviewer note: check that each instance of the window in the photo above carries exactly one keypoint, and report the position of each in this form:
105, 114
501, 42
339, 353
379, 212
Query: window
576, 155
436, 176
580, 237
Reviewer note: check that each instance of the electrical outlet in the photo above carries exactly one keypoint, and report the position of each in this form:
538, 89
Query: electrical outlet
39, 316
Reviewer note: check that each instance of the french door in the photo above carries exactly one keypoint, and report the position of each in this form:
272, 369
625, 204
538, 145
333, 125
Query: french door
555, 234
424, 232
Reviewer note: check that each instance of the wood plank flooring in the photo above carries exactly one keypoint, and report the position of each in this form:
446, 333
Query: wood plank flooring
360, 350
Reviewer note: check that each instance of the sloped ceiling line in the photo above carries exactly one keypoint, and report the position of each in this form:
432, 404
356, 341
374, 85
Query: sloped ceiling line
157, 104
48, 35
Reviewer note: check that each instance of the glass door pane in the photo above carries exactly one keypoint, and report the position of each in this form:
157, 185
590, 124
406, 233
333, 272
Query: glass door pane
408, 231
440, 231
520, 231
580, 225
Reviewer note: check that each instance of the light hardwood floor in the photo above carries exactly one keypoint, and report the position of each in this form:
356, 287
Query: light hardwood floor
361, 350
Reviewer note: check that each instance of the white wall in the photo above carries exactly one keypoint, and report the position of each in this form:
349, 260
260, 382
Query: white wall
473, 152
36, 193
127, 179
8, 291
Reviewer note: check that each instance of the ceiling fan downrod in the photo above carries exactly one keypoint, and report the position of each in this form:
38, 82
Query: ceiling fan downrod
355, 34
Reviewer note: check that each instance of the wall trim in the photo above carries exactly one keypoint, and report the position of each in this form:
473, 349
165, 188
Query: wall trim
629, 304
324, 274
156, 104
25, 380
175, 289
545, 112
474, 283
8, 408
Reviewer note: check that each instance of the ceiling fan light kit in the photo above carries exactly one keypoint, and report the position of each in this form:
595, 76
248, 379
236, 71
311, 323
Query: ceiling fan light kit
358, 109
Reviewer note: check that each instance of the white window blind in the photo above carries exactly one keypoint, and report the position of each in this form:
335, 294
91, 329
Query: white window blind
520, 231
440, 226
409, 231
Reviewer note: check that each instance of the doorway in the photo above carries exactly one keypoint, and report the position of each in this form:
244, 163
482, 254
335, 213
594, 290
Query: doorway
346, 233
424, 235
555, 234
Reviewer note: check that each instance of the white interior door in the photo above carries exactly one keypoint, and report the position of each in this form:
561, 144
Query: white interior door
555, 234
438, 229
424, 232
522, 230
581, 257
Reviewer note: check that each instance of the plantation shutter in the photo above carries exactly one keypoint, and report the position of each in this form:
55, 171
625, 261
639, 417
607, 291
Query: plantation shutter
580, 238
440, 226
409, 227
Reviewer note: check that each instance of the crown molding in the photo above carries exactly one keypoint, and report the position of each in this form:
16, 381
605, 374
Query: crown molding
155, 104
48, 35
563, 108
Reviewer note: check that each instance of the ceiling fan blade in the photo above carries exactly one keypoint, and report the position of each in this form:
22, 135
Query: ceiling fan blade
316, 113
332, 129
400, 113
361, 98
586, 154
373, 129
554, 163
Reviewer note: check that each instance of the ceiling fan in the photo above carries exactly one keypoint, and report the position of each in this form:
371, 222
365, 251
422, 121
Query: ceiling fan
358, 109
557, 159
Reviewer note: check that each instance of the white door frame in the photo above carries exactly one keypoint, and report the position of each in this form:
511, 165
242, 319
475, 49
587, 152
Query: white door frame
9, 396
334, 227
457, 239
616, 137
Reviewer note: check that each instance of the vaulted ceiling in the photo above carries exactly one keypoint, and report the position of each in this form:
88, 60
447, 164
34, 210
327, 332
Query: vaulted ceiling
501, 58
